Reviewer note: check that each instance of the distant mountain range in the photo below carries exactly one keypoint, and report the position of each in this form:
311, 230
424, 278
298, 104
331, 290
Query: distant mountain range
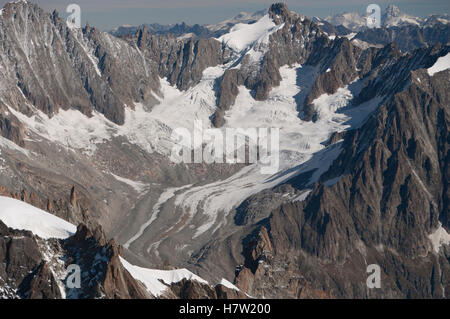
182, 29
391, 17
407, 31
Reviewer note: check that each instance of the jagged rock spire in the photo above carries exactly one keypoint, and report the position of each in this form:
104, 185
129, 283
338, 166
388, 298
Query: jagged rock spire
279, 8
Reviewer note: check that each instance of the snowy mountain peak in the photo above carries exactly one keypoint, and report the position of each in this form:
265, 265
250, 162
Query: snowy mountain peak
242, 36
393, 16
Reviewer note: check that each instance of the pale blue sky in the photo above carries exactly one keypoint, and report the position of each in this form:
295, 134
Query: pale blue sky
106, 14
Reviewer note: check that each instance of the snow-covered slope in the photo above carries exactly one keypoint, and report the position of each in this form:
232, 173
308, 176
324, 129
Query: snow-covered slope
157, 281
19, 215
242, 17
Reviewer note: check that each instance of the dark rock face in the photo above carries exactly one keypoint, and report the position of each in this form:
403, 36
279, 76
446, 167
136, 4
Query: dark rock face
103, 275
12, 129
181, 62
391, 195
392, 189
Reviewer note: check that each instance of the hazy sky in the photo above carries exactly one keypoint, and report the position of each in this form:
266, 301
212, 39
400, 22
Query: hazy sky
106, 14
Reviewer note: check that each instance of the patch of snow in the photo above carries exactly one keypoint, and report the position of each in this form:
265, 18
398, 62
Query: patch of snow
19, 215
439, 238
300, 141
151, 130
350, 36
70, 128
148, 129
443, 21
138, 186
303, 196
351, 20
327, 105
152, 278
443, 63
402, 20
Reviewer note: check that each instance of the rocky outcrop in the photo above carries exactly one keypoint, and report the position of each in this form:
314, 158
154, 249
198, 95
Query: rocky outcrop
182, 62
23, 271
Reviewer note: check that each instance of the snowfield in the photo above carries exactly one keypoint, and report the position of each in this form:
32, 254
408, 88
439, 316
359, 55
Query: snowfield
242, 36
152, 278
443, 63
19, 215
